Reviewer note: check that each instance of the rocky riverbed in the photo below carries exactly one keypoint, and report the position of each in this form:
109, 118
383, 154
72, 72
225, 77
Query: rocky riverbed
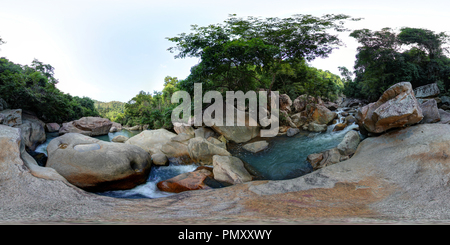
399, 174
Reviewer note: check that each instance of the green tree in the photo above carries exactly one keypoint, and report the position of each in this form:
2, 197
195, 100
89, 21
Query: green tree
33, 88
244, 54
386, 57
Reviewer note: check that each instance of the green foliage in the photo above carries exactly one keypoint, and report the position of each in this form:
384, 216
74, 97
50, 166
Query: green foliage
298, 78
154, 109
113, 110
253, 53
385, 58
33, 88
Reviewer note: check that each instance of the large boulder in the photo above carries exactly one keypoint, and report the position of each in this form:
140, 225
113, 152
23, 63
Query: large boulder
321, 115
230, 170
444, 116
204, 132
427, 91
96, 125
257, 146
32, 131
96, 165
201, 151
238, 134
324, 159
430, 111
302, 101
11, 117
196, 180
52, 127
31, 193
176, 150
89, 126
151, 140
285, 102
349, 144
159, 159
184, 129
315, 127
397, 107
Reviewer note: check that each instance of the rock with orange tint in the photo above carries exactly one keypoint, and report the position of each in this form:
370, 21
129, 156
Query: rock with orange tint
188, 181
396, 108
322, 115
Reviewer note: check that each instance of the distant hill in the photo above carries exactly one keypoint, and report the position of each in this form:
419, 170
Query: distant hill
113, 110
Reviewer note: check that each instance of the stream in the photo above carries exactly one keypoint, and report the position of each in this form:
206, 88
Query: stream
285, 158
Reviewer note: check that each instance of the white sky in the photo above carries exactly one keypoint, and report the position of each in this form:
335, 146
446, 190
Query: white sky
112, 49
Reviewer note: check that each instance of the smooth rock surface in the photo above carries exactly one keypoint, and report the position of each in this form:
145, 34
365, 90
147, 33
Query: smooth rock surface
230, 169
257, 146
201, 151
151, 140
96, 165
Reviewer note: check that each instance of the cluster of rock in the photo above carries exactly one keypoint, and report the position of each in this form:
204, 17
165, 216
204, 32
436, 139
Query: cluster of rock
342, 152
96, 165
308, 113
199, 146
398, 107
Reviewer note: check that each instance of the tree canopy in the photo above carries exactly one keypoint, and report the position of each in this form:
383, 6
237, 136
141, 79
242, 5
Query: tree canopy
246, 54
34, 88
386, 57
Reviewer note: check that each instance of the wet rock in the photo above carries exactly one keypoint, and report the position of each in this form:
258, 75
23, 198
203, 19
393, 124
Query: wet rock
159, 159
230, 170
339, 127
196, 180
329, 157
314, 127
256, 146
314, 158
349, 144
292, 131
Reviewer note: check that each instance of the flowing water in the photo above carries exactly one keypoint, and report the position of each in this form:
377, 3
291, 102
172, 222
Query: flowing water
285, 158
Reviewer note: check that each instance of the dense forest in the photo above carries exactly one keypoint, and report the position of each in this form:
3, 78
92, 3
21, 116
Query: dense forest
386, 58
251, 54
33, 88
